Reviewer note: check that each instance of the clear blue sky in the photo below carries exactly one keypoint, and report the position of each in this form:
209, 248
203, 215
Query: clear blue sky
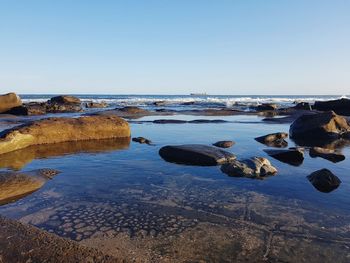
175, 47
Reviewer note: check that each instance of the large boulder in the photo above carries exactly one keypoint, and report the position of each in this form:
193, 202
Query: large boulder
63, 103
324, 180
15, 185
256, 167
274, 139
327, 154
55, 130
325, 125
340, 106
9, 101
293, 156
195, 154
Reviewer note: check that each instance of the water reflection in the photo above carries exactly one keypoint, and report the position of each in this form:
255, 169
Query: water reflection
328, 144
18, 159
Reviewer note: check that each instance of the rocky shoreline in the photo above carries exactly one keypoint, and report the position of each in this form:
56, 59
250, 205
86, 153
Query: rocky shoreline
319, 129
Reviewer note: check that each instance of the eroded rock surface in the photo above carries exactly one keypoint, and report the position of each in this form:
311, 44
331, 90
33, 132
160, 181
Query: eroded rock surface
15, 185
256, 167
55, 130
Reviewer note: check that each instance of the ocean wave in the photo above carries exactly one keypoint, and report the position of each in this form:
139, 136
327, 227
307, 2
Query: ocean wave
200, 101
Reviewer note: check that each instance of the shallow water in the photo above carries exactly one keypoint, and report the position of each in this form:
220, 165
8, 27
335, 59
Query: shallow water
110, 187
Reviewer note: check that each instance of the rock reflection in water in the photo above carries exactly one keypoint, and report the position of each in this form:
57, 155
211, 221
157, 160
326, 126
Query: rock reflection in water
18, 159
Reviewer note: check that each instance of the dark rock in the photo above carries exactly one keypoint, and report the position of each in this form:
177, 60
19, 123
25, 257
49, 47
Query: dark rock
224, 144
169, 121
256, 167
293, 156
327, 154
206, 121
324, 180
266, 107
9, 101
340, 106
274, 139
65, 99
132, 110
326, 125
195, 154
141, 140
303, 106
188, 103
29, 109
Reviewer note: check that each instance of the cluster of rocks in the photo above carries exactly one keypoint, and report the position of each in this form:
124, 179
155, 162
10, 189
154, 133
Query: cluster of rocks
12, 104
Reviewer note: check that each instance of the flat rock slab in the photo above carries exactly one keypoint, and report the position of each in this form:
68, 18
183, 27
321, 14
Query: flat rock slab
293, 156
195, 154
56, 130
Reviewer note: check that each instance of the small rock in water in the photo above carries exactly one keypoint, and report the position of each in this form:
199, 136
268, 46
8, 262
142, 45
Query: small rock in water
224, 144
141, 140
327, 154
293, 156
324, 180
274, 139
195, 154
256, 167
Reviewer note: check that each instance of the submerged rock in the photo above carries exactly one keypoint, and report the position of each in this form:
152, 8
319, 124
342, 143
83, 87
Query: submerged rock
195, 154
9, 101
293, 156
141, 140
326, 125
256, 167
15, 185
274, 139
55, 130
324, 180
224, 144
327, 154
341, 106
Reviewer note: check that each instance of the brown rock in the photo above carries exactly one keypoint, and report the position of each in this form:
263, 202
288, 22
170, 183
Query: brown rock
224, 144
326, 125
65, 99
92, 104
9, 101
274, 139
266, 107
141, 140
15, 185
55, 130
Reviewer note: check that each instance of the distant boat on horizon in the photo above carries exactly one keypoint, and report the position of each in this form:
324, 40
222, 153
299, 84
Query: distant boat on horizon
199, 94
